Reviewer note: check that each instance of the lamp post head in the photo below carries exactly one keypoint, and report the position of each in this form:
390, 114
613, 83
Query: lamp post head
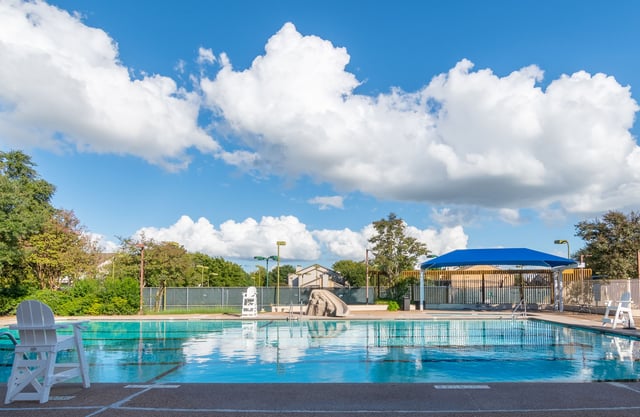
281, 243
560, 241
273, 257
259, 258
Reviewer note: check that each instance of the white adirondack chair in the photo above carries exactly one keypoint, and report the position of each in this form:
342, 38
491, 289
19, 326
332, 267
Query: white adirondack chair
34, 363
250, 302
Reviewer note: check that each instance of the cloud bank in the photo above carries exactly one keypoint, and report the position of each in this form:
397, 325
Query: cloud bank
251, 238
468, 137
62, 86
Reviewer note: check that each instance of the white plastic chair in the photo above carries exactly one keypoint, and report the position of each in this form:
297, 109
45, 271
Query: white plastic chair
34, 362
250, 302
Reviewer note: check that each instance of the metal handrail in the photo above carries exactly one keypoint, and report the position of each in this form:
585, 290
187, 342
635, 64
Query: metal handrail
521, 305
10, 336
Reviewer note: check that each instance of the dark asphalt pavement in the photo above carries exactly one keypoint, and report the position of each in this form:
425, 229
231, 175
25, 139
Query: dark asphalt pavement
339, 400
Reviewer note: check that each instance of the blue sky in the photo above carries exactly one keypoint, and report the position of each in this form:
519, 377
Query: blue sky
229, 125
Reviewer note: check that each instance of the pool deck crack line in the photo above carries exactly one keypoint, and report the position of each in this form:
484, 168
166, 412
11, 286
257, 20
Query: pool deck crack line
117, 405
625, 386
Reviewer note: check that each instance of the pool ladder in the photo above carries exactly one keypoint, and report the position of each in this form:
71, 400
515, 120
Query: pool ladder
291, 316
10, 336
522, 306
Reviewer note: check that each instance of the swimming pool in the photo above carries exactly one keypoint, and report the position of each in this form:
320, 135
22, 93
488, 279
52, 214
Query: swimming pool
359, 351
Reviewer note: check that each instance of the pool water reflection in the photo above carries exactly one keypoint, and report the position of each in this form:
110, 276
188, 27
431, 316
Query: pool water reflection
448, 351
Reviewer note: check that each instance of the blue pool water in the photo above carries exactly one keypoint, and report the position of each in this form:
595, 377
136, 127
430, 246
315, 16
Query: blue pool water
455, 351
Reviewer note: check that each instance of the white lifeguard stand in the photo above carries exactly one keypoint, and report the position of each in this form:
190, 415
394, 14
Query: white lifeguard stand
250, 302
623, 313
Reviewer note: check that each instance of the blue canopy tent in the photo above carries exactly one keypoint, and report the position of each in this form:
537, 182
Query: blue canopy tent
498, 257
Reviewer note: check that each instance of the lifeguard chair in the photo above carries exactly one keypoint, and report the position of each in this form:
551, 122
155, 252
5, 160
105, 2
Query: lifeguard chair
623, 313
250, 302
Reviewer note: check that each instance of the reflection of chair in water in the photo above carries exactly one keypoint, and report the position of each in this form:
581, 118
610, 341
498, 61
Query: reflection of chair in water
250, 302
34, 362
623, 313
624, 348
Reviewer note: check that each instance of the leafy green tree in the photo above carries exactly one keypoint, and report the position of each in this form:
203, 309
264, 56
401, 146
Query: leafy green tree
166, 264
395, 251
285, 270
24, 208
612, 244
62, 250
228, 274
354, 272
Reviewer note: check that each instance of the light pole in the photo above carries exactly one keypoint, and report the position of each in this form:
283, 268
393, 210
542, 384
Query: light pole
278, 244
266, 258
202, 268
564, 242
266, 272
141, 246
366, 262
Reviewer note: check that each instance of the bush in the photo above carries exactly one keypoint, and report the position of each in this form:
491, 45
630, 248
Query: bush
120, 296
393, 306
84, 297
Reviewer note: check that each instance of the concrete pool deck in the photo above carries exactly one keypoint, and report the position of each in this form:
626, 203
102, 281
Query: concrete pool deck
606, 399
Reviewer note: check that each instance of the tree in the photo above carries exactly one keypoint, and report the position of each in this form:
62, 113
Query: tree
62, 250
166, 264
612, 244
395, 251
355, 273
217, 272
24, 208
285, 270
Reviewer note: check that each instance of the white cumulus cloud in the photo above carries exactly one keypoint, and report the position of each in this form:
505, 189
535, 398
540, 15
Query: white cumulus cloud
468, 137
63, 86
242, 240
327, 202
251, 238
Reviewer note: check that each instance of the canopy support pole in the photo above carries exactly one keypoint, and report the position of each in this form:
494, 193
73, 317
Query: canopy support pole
421, 289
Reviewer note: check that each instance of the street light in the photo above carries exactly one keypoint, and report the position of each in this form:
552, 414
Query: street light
564, 242
278, 244
141, 246
202, 268
266, 258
